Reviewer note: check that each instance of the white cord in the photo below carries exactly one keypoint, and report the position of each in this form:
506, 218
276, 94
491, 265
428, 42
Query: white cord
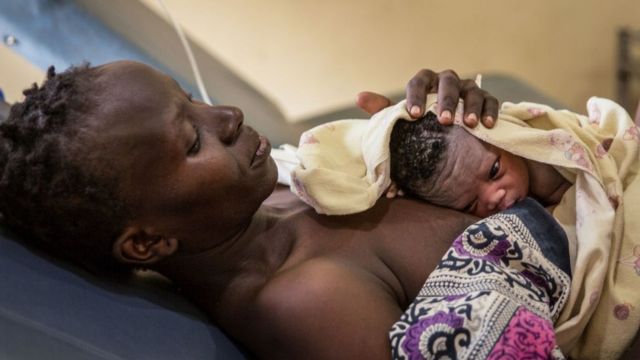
187, 48
479, 80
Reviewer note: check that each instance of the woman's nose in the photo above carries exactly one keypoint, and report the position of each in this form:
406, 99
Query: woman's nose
229, 121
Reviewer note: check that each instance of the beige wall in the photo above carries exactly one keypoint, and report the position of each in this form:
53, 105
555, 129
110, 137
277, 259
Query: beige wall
312, 56
16, 74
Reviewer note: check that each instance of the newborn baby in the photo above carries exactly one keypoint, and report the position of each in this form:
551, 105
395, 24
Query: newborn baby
587, 165
447, 166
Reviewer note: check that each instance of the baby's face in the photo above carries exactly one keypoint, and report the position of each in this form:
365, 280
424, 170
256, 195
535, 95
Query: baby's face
480, 179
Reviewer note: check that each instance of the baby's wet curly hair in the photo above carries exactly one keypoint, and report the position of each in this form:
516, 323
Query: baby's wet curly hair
417, 149
47, 195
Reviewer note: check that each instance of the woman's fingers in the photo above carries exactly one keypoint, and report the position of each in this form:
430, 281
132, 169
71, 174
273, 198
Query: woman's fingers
480, 106
473, 102
393, 190
422, 83
372, 102
490, 110
449, 88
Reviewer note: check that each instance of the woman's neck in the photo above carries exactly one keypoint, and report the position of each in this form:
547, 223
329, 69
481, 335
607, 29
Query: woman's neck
249, 251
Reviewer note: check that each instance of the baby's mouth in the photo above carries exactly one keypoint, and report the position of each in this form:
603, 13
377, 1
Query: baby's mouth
507, 204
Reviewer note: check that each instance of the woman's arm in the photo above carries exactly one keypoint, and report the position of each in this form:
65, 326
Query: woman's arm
637, 118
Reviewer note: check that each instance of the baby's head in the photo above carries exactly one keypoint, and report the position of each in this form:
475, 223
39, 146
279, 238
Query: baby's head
447, 166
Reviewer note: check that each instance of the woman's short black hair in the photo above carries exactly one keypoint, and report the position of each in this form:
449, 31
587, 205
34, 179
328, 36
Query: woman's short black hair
47, 193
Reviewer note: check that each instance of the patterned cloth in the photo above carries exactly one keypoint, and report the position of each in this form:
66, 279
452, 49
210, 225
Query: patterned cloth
494, 294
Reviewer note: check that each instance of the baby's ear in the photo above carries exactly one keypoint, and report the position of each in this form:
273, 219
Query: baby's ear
140, 246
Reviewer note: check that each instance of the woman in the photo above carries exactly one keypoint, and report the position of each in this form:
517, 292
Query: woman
117, 166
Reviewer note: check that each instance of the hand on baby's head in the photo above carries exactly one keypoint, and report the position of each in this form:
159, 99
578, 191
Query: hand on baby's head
393, 190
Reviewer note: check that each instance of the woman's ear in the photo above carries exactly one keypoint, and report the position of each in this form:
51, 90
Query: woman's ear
139, 246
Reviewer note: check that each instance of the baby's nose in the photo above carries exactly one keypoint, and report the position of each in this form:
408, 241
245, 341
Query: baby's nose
495, 198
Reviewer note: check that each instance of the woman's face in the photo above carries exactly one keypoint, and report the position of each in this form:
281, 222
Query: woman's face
186, 169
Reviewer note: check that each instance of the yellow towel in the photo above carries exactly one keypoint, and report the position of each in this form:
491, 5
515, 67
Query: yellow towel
344, 165
598, 153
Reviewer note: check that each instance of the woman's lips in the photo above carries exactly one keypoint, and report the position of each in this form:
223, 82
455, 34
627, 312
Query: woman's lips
262, 151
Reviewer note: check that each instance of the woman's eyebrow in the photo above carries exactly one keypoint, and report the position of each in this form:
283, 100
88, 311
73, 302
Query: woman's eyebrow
177, 115
180, 87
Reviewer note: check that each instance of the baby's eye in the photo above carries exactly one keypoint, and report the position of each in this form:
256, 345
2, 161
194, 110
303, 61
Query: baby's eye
495, 169
190, 97
195, 147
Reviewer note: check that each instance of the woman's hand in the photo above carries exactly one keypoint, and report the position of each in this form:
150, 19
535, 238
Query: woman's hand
478, 103
393, 190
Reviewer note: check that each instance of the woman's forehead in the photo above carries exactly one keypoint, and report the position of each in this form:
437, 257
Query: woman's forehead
138, 107
128, 78
129, 89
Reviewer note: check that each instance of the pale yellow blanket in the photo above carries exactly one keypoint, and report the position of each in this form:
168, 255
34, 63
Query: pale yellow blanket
598, 153
344, 168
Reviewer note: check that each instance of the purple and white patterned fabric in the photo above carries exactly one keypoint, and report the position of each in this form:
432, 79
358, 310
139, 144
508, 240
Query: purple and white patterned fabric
494, 294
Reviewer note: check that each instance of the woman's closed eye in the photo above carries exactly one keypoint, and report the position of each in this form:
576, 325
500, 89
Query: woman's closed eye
495, 169
195, 146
